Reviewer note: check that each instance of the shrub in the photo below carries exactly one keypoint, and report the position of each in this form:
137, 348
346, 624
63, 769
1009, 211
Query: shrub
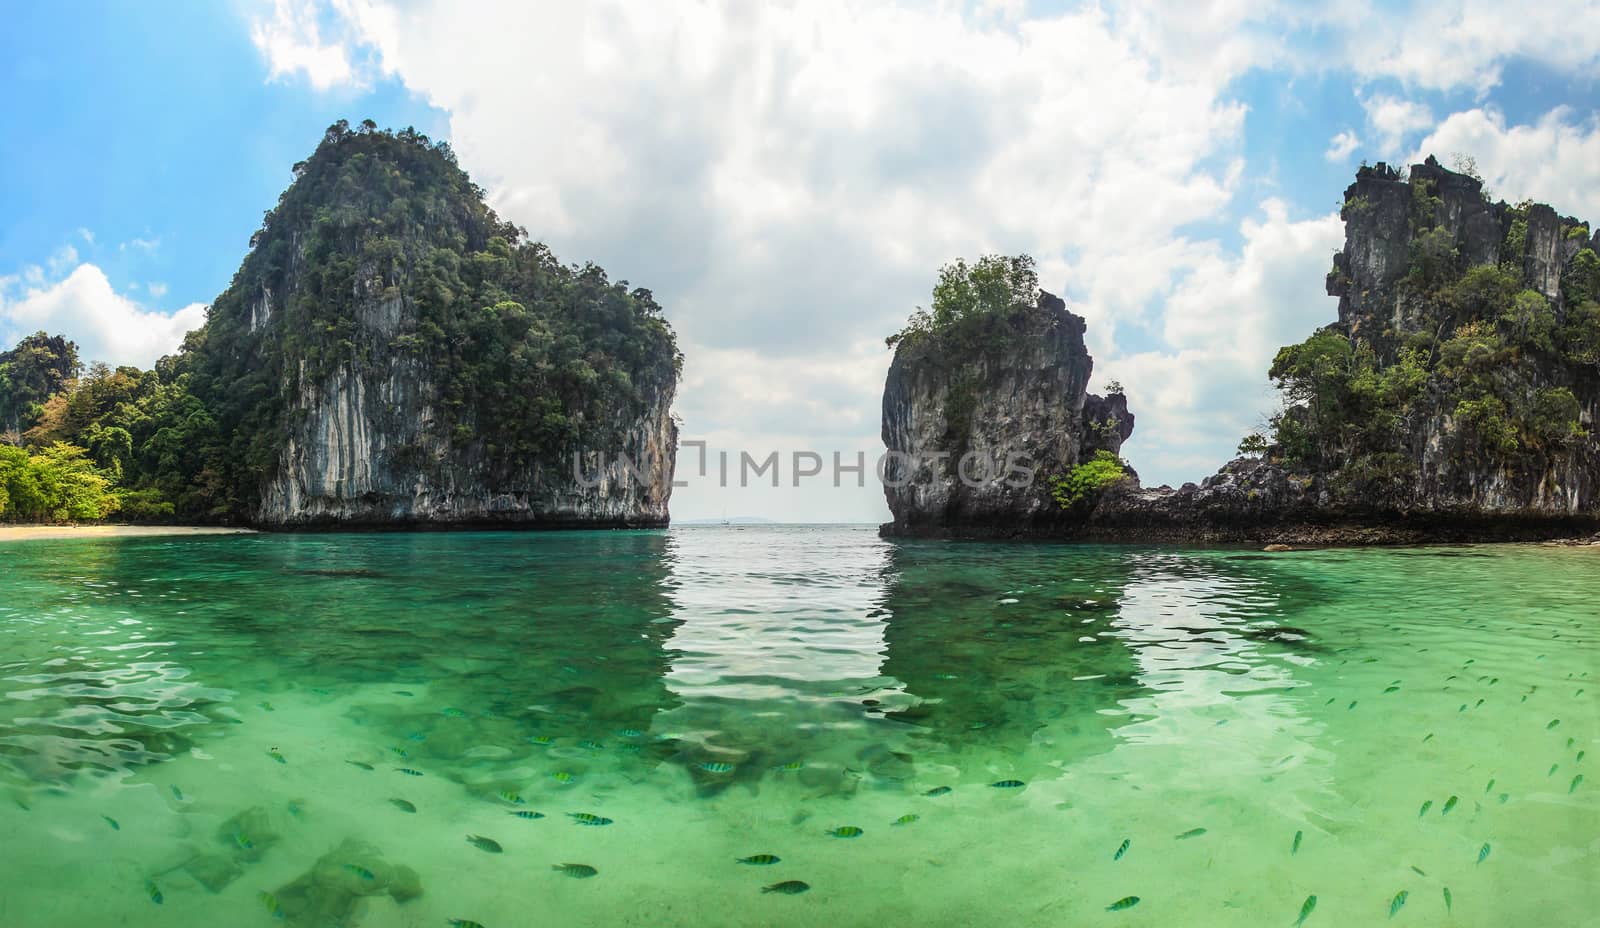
1579, 336
1488, 419
1433, 260
966, 293
1516, 240
1254, 444
1088, 480
1554, 419
1529, 321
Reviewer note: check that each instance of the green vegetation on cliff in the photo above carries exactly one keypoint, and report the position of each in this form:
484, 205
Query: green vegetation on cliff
964, 321
1475, 357
380, 232
39, 367
968, 295
1085, 482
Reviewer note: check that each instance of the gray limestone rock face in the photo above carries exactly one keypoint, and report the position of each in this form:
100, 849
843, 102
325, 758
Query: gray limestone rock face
1445, 484
1005, 400
1377, 309
392, 354
364, 450
1543, 260
366, 447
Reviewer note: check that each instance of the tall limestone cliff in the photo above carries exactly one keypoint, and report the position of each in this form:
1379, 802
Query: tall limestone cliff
1497, 303
1007, 393
391, 353
1457, 395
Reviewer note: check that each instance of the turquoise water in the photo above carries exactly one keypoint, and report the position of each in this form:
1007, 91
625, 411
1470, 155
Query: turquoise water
194, 719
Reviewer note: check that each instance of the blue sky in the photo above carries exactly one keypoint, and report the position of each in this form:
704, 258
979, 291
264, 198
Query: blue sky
788, 178
154, 124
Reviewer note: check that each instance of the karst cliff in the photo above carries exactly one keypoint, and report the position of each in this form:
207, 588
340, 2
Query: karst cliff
977, 416
389, 354
1456, 396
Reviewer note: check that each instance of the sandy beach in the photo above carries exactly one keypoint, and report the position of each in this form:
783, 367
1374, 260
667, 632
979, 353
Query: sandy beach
40, 532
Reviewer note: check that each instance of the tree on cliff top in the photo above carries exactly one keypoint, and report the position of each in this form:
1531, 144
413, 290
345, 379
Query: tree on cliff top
35, 370
991, 286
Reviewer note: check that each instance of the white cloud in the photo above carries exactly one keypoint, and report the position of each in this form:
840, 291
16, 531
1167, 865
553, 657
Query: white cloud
1555, 160
291, 39
106, 325
1466, 44
65, 257
145, 244
86, 235
156, 289
1393, 119
1196, 397
1422, 45
1341, 146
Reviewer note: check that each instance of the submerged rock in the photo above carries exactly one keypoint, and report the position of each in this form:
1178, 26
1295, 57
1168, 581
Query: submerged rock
214, 871
249, 834
333, 891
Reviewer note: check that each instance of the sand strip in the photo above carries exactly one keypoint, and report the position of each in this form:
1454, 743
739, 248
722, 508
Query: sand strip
39, 532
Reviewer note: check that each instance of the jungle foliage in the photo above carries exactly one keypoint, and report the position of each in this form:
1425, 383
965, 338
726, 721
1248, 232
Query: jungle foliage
36, 369
57, 483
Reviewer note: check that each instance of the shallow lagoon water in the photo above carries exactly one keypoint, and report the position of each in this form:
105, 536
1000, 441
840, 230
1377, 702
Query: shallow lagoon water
720, 693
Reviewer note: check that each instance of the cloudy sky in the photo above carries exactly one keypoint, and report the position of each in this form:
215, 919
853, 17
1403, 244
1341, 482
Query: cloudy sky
787, 177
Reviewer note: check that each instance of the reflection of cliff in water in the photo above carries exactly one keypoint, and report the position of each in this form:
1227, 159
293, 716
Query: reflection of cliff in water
1005, 644
1225, 644
475, 642
776, 659
554, 647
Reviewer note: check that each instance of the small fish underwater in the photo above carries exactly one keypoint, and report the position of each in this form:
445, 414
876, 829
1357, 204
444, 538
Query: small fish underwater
485, 844
1306, 908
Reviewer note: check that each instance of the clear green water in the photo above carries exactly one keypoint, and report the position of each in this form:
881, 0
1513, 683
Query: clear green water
1138, 694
